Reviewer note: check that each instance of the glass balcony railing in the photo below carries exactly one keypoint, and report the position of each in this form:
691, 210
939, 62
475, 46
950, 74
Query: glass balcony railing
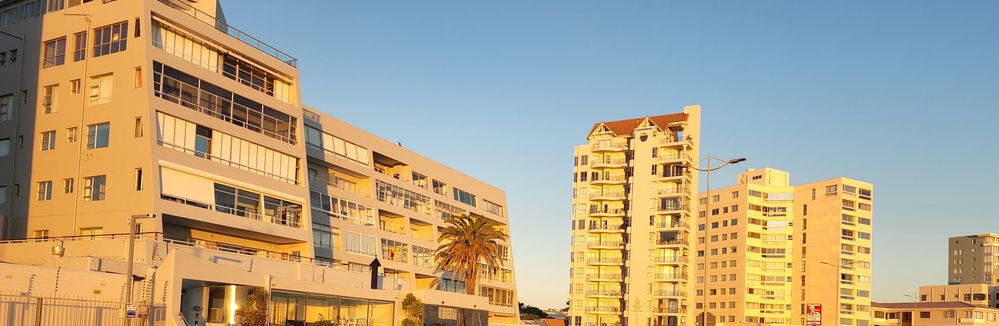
231, 31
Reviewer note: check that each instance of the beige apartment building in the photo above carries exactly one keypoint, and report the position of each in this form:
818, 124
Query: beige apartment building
631, 221
973, 259
832, 251
744, 251
932, 314
976, 294
110, 109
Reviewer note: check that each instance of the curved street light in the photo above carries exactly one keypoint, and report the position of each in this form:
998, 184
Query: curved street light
707, 205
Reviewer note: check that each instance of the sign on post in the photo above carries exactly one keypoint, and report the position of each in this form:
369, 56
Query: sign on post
813, 315
131, 310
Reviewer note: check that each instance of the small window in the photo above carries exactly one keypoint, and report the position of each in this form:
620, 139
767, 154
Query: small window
138, 127
71, 134
4, 147
44, 191
49, 96
97, 135
100, 89
48, 139
74, 87
94, 188
40, 234
67, 186
138, 179
80, 48
138, 77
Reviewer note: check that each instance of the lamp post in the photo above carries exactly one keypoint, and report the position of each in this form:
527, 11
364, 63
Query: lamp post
707, 212
131, 253
915, 307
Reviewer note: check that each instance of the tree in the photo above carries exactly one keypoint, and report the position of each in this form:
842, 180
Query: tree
529, 311
413, 307
254, 311
468, 241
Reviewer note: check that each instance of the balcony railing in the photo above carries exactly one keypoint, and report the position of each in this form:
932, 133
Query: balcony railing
605, 146
287, 217
671, 225
616, 227
671, 242
608, 293
670, 310
616, 277
673, 207
669, 293
608, 162
608, 179
669, 157
603, 309
615, 244
609, 211
607, 194
605, 260
673, 191
231, 31
671, 259
670, 276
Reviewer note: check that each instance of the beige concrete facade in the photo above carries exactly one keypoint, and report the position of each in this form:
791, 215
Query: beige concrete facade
972, 259
832, 252
976, 294
948, 313
744, 251
632, 211
116, 108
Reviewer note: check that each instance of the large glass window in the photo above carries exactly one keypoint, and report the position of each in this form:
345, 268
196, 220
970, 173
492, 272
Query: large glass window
342, 209
188, 91
98, 135
395, 251
398, 196
110, 39
100, 89
464, 196
336, 146
93, 187
446, 211
361, 244
55, 53
239, 202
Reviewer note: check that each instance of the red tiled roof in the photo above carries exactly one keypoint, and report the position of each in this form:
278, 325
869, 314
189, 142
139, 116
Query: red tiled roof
926, 305
627, 126
554, 322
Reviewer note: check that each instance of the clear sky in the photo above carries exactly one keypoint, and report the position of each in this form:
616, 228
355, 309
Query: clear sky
903, 94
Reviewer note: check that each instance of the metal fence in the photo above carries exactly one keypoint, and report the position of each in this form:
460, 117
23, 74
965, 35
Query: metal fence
39, 311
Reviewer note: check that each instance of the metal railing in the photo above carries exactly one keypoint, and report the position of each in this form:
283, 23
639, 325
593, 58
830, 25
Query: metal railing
671, 242
612, 293
232, 31
288, 218
606, 244
671, 259
616, 227
603, 309
669, 293
605, 260
612, 178
221, 108
609, 146
604, 277
672, 157
607, 194
604, 162
44, 311
670, 276
671, 225
615, 211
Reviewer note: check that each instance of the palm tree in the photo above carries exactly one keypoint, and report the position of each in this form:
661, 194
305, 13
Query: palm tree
467, 241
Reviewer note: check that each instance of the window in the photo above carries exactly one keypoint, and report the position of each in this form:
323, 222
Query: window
74, 87
40, 234
138, 179
924, 314
493, 207
97, 135
100, 89
67, 185
71, 134
464, 197
440, 188
49, 98
89, 232
55, 53
138, 127
138, 77
55, 5
5, 107
48, 140
361, 244
44, 190
80, 47
94, 187
110, 39
4, 147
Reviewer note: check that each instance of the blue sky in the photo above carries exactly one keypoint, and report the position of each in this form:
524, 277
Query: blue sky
903, 94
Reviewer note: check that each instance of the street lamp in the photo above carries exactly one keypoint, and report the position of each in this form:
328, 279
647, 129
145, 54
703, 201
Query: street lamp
707, 210
915, 307
131, 253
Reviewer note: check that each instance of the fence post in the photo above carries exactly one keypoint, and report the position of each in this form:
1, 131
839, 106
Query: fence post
38, 312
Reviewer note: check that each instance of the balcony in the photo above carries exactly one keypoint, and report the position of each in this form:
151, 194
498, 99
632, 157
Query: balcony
598, 212
608, 163
603, 310
670, 310
608, 196
681, 242
609, 146
673, 192
609, 179
606, 245
672, 175
672, 158
603, 293
670, 293
670, 276
617, 228
285, 217
672, 208
231, 31
604, 277
671, 260
605, 261
672, 225
673, 140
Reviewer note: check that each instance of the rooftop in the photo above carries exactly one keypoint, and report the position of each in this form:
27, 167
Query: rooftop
927, 305
627, 126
